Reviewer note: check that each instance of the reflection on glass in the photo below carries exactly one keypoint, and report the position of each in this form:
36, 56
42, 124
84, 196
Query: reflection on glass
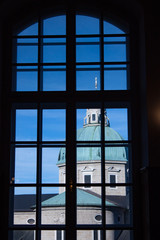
53, 207
53, 235
53, 125
89, 206
53, 165
25, 158
116, 128
55, 25
24, 205
90, 235
89, 124
88, 79
88, 165
23, 234
119, 234
27, 80
87, 25
26, 125
54, 79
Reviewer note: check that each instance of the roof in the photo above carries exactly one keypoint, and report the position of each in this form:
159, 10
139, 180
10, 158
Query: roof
83, 199
25, 202
93, 133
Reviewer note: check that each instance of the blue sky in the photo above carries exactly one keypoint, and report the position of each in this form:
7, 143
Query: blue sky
54, 79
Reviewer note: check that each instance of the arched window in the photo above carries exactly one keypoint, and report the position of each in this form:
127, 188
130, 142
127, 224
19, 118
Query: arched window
70, 120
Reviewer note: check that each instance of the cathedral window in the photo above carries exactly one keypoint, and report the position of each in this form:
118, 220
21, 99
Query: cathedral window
93, 117
112, 180
87, 180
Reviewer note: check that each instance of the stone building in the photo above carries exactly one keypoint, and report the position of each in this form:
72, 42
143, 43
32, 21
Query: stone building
89, 204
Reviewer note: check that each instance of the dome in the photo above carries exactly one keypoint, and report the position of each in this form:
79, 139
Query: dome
93, 133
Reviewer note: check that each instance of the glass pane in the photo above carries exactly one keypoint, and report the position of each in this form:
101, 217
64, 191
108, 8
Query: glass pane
53, 235
117, 164
88, 79
114, 52
88, 124
88, 166
54, 54
54, 79
22, 234
55, 25
116, 128
53, 208
87, 53
31, 41
27, 80
27, 54
24, 205
26, 125
115, 39
111, 29
87, 25
119, 208
121, 233
31, 30
53, 125
115, 79
89, 205
25, 165
90, 235
53, 168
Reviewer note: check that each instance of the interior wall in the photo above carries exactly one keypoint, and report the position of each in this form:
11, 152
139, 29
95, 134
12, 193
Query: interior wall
11, 11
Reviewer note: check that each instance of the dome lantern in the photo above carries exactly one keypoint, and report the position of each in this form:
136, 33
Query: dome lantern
93, 117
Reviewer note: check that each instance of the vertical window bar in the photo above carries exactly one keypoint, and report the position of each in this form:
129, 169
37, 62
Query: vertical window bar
102, 129
40, 54
12, 166
103, 170
101, 53
14, 60
70, 129
127, 59
39, 171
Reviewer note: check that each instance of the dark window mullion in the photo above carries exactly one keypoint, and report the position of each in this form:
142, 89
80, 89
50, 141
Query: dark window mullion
102, 129
39, 172
70, 129
40, 55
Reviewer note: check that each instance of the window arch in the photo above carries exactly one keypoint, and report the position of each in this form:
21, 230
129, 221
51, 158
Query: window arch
67, 68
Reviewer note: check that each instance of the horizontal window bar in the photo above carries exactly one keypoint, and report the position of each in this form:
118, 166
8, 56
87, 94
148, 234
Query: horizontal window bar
35, 227
77, 63
80, 36
98, 43
107, 227
39, 142
101, 184
37, 185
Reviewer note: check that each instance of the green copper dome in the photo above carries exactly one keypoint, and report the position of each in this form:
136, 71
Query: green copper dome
93, 133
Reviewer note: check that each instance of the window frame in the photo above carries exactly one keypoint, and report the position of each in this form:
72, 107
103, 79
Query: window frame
121, 94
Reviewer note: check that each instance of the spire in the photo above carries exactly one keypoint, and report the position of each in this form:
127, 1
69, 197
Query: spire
95, 82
